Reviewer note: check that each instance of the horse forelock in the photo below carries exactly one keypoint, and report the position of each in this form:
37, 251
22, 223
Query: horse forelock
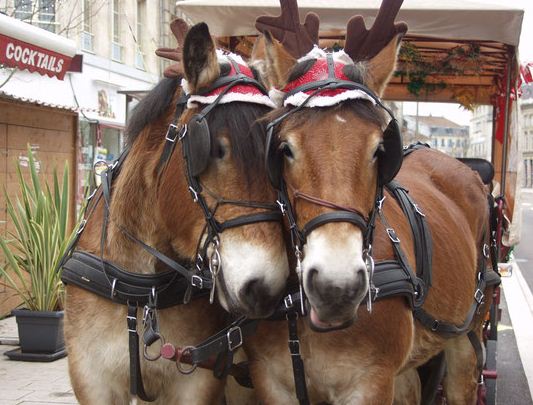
247, 133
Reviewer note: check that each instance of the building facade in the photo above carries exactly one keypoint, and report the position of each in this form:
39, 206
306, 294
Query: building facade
480, 145
441, 133
526, 108
78, 117
117, 39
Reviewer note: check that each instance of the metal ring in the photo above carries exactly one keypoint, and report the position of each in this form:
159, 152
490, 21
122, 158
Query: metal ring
158, 355
179, 364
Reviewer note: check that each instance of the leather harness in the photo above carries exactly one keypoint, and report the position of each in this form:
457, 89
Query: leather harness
182, 281
185, 281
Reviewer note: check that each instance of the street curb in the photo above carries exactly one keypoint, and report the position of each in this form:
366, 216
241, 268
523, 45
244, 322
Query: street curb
520, 304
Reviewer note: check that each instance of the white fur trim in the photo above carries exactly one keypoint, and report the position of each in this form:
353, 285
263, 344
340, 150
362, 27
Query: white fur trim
315, 53
231, 97
223, 57
324, 101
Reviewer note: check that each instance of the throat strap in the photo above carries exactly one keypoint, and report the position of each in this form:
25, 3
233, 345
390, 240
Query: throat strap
136, 381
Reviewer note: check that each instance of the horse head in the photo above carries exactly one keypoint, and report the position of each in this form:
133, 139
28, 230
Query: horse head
332, 145
214, 204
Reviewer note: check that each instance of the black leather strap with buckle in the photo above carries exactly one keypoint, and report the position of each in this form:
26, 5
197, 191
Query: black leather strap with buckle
227, 340
136, 382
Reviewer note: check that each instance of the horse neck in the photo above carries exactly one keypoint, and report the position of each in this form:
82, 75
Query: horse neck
133, 211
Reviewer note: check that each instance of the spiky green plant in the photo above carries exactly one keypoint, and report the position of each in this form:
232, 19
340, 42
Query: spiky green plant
41, 237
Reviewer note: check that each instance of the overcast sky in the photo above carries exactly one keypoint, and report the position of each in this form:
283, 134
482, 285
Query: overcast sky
454, 111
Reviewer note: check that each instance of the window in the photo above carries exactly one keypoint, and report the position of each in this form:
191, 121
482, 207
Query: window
442, 143
41, 13
450, 143
23, 10
139, 55
87, 29
116, 47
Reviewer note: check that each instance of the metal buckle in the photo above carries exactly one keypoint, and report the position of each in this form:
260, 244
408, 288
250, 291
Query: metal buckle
288, 302
281, 207
171, 128
379, 203
392, 235
435, 325
194, 194
92, 195
294, 347
486, 251
82, 226
418, 210
113, 285
183, 132
196, 281
478, 296
134, 319
234, 332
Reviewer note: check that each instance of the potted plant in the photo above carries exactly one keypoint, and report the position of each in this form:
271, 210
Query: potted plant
32, 254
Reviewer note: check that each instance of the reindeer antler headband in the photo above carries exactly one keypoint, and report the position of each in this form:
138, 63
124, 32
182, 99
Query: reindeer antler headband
361, 44
179, 28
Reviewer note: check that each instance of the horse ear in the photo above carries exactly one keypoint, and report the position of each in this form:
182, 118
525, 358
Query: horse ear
380, 68
200, 61
278, 62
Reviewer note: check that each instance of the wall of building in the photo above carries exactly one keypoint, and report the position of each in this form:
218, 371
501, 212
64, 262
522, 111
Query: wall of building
481, 133
526, 108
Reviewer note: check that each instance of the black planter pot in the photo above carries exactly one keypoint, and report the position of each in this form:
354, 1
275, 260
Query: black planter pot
40, 335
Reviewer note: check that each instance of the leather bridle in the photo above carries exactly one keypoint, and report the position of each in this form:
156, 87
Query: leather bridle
178, 132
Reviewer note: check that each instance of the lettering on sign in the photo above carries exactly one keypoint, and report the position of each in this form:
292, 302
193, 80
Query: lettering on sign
20, 54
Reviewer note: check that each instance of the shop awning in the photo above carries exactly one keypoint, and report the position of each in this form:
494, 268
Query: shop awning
25, 46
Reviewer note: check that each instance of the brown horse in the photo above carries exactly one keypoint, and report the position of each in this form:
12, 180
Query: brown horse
332, 159
156, 207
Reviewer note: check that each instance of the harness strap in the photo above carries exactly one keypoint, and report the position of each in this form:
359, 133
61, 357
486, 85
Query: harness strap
136, 382
227, 340
296, 357
335, 216
478, 350
448, 329
85, 270
419, 229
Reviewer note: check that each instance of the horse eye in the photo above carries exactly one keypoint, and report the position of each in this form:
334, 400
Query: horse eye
379, 150
220, 150
286, 150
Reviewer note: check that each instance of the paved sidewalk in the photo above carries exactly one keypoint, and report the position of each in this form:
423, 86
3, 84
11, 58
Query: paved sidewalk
26, 383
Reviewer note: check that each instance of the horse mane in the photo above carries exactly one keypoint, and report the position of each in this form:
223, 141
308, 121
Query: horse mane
151, 108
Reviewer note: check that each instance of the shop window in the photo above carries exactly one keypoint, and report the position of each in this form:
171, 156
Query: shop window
98, 143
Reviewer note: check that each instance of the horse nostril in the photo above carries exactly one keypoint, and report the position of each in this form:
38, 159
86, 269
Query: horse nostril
250, 288
312, 278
